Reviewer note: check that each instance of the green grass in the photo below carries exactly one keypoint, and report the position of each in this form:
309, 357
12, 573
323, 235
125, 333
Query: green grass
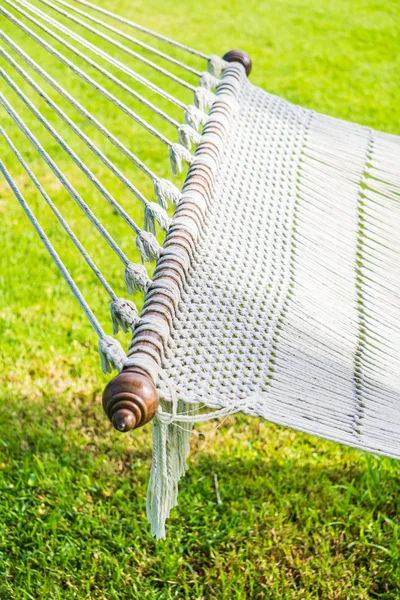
300, 518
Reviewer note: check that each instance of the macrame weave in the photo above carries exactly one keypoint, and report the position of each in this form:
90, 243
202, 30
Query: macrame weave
283, 300
291, 302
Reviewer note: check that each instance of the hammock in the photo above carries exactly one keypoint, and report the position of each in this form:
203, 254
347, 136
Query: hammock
275, 291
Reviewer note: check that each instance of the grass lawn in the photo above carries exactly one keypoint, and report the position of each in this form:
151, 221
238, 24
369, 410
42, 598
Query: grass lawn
300, 518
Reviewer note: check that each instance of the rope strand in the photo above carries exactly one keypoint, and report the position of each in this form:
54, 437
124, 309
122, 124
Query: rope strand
60, 218
117, 44
59, 174
89, 174
88, 45
154, 34
106, 132
132, 39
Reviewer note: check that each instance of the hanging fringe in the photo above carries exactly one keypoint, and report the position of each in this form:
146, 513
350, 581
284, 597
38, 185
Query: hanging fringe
177, 154
203, 98
208, 81
216, 65
136, 278
166, 191
195, 117
188, 135
112, 355
154, 212
124, 314
171, 442
148, 246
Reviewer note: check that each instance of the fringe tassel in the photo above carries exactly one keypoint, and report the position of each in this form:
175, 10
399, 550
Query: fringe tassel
177, 154
171, 444
195, 117
166, 191
203, 98
136, 278
188, 135
154, 212
112, 355
148, 246
124, 314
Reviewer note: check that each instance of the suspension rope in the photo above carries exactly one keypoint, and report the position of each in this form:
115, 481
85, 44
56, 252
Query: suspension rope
89, 174
73, 126
65, 182
65, 146
53, 253
111, 40
106, 132
86, 44
132, 39
138, 27
60, 218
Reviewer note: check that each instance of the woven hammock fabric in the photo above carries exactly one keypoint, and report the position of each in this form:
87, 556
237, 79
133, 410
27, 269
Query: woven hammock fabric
291, 303
282, 299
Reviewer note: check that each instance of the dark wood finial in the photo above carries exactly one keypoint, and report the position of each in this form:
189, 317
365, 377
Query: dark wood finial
239, 56
130, 400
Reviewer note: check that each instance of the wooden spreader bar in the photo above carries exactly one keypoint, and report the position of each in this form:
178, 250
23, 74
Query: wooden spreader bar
130, 400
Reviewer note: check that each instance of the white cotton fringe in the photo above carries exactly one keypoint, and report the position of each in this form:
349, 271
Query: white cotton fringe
171, 443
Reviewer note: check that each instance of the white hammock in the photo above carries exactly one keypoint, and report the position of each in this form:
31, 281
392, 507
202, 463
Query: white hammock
276, 291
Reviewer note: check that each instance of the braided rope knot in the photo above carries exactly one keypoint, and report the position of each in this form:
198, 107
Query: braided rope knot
124, 315
136, 278
166, 191
216, 65
195, 117
178, 154
112, 355
208, 81
203, 98
188, 136
154, 212
148, 246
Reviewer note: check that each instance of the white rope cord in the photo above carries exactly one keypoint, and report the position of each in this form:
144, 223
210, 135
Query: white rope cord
111, 352
117, 44
60, 218
58, 173
106, 132
154, 34
144, 81
132, 39
89, 174
73, 126
161, 216
98, 87
53, 253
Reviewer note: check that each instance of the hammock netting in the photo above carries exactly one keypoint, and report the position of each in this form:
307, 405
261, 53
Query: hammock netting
275, 292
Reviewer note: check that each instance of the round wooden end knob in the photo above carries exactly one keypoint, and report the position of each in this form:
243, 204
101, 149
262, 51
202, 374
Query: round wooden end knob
130, 400
239, 56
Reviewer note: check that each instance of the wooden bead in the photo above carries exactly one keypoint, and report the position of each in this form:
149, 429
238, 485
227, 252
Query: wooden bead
130, 400
239, 56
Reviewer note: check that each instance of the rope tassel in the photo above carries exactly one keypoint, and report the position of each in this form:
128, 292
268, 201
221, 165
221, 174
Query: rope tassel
203, 98
136, 278
195, 117
178, 154
208, 81
112, 355
216, 65
166, 191
124, 315
188, 135
154, 212
148, 246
